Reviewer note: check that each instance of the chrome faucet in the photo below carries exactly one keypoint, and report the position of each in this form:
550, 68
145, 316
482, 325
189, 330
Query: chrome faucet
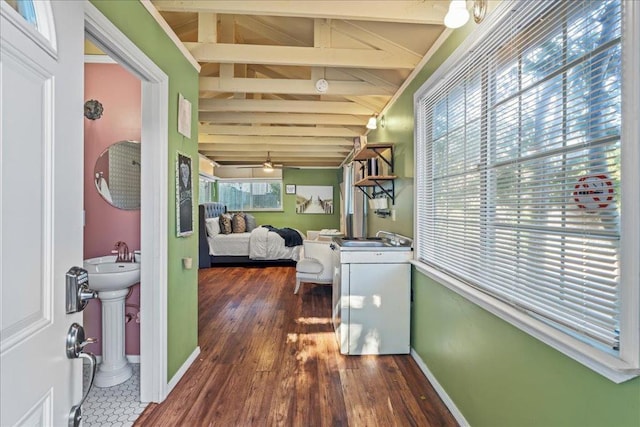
123, 252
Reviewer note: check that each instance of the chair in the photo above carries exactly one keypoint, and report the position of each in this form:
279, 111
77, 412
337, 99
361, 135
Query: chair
317, 264
313, 234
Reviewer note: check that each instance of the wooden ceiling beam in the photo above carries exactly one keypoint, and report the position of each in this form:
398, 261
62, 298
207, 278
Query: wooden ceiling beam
207, 27
282, 106
297, 164
277, 130
284, 118
300, 56
404, 11
208, 141
275, 155
291, 86
248, 148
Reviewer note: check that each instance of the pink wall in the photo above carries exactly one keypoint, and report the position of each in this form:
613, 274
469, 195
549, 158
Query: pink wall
120, 94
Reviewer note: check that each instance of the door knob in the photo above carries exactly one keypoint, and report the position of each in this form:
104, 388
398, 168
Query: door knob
76, 341
75, 349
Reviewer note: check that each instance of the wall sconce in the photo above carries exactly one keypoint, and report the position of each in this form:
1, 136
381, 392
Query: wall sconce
372, 123
479, 10
458, 15
93, 109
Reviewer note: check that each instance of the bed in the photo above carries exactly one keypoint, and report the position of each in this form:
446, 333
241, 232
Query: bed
259, 246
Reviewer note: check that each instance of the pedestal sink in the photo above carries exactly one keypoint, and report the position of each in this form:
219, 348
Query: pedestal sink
112, 281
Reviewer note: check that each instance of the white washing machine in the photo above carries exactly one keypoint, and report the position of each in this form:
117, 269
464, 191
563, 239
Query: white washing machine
372, 295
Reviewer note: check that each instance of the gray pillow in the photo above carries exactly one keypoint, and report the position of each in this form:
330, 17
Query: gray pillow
251, 222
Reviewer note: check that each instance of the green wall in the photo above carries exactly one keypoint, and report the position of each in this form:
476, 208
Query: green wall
496, 375
303, 222
398, 129
140, 27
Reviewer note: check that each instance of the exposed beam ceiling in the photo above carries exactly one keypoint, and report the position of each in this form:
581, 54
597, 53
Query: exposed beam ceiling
261, 61
407, 12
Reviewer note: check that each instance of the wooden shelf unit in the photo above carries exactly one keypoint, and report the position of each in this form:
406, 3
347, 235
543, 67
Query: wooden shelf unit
371, 181
381, 184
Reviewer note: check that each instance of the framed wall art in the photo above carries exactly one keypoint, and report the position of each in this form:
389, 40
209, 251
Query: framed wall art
184, 195
314, 199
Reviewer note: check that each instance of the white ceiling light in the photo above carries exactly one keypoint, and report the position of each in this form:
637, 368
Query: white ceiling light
458, 15
322, 85
372, 123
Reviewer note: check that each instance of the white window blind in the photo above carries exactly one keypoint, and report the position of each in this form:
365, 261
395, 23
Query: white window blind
517, 160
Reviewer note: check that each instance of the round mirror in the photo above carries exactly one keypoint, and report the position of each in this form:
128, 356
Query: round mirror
117, 175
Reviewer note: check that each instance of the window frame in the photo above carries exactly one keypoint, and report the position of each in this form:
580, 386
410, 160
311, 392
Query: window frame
253, 181
616, 368
209, 181
41, 30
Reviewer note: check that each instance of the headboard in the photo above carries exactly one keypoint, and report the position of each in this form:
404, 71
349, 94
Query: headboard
207, 210
214, 209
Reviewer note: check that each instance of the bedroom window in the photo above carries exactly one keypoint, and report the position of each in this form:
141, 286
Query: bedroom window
207, 188
519, 182
251, 194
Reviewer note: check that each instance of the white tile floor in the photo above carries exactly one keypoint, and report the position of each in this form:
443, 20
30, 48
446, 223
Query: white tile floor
117, 406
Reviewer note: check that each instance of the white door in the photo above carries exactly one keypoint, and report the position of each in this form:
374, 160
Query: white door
41, 109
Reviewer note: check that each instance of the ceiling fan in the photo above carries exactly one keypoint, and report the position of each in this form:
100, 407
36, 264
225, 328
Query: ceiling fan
267, 165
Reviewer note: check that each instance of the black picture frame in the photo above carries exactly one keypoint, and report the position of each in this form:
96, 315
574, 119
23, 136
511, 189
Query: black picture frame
184, 195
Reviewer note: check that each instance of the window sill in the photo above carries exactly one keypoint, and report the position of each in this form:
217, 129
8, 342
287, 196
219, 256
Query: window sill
609, 366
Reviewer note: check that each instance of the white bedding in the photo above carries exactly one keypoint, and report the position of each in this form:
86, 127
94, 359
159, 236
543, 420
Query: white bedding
234, 244
265, 244
259, 244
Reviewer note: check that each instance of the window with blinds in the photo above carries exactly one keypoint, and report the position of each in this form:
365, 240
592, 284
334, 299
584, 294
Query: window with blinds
251, 194
518, 167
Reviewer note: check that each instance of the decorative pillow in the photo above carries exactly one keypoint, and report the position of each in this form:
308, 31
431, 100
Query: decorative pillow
251, 222
238, 223
213, 226
225, 224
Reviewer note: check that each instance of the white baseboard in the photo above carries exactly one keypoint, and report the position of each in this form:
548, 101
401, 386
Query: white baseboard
183, 369
440, 390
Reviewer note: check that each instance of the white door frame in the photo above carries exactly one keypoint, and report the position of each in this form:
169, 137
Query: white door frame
154, 191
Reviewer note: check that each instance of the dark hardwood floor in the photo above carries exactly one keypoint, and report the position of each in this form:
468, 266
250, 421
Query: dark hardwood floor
269, 357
